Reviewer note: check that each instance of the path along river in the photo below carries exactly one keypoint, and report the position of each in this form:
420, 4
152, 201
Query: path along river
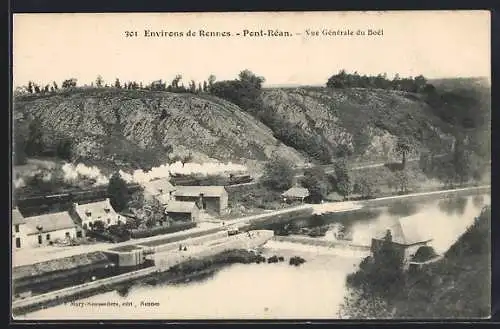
275, 291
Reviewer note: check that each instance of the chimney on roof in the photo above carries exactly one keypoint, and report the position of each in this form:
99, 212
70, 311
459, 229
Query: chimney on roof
388, 236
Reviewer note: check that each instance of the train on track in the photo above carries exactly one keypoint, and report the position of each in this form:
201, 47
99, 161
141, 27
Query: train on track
190, 180
23, 198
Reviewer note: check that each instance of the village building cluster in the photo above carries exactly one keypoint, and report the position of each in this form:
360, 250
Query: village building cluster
180, 203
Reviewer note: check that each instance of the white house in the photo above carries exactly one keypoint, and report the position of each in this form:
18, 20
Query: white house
18, 229
90, 213
49, 228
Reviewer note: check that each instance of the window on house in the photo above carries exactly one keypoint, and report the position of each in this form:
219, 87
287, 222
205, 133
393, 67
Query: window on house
109, 220
39, 239
79, 234
48, 237
106, 210
88, 213
16, 228
67, 234
85, 226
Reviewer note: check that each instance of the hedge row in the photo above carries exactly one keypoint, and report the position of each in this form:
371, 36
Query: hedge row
138, 234
106, 236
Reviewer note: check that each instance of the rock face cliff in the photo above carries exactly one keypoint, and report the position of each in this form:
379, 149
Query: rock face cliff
366, 121
110, 124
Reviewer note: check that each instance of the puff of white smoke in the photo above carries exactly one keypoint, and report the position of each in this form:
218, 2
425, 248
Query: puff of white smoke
19, 182
47, 177
164, 171
73, 173
126, 176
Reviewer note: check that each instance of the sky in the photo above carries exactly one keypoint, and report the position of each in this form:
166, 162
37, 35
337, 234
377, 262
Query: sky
54, 47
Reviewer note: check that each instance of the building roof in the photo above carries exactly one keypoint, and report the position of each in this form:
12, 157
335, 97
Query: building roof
49, 223
96, 210
407, 231
209, 191
424, 254
180, 207
296, 192
17, 217
159, 186
163, 198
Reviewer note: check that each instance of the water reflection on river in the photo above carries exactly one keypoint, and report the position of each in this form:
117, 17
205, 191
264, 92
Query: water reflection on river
312, 290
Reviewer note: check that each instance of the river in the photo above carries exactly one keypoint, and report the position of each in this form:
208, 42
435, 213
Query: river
276, 291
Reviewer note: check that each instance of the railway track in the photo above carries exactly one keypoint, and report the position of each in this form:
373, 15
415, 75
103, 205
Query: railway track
65, 196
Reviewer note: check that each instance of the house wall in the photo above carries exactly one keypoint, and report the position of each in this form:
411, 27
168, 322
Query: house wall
409, 252
224, 202
110, 219
195, 214
399, 249
32, 239
179, 217
21, 235
213, 204
130, 258
405, 252
185, 217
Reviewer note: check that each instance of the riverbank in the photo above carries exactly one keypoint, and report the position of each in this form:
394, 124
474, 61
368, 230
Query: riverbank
162, 262
422, 196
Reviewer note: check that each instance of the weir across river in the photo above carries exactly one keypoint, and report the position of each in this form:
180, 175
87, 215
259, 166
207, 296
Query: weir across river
345, 245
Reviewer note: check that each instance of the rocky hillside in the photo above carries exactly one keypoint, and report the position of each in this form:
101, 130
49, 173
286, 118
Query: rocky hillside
366, 122
120, 125
144, 128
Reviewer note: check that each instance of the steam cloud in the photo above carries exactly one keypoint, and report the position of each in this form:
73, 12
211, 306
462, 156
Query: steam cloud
75, 174
164, 171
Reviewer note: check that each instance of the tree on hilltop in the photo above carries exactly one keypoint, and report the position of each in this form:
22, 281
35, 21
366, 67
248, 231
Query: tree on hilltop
99, 81
30, 87
211, 81
69, 83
